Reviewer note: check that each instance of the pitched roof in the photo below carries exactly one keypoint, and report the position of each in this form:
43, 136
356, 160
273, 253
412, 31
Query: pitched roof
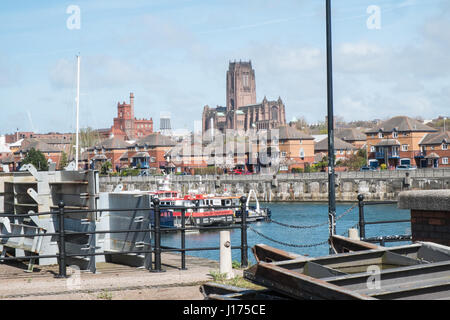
350, 134
401, 123
111, 143
28, 144
290, 133
156, 140
436, 138
339, 144
388, 143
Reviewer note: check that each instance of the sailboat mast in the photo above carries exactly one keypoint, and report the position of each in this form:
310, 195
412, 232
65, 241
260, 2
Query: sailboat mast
78, 110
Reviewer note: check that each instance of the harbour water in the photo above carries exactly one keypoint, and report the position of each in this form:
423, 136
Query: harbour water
299, 214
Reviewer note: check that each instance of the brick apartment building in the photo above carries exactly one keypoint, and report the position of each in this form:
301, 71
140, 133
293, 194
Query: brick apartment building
435, 150
396, 142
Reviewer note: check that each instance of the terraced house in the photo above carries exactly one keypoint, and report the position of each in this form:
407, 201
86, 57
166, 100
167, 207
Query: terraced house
435, 150
396, 142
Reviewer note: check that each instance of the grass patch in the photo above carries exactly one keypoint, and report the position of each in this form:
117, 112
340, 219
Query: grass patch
237, 281
104, 295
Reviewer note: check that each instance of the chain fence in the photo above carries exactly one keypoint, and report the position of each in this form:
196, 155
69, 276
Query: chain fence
303, 227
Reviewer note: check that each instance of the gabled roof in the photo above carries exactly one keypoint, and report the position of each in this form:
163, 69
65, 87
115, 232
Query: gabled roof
111, 143
155, 140
350, 134
388, 143
339, 144
28, 144
402, 124
436, 138
290, 133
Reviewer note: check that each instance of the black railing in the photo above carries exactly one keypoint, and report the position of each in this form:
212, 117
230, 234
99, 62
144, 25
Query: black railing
156, 230
362, 223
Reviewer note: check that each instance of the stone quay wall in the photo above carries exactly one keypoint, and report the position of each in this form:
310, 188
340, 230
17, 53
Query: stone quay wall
375, 185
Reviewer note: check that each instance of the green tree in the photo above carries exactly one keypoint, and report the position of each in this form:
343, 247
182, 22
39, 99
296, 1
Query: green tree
106, 167
63, 162
37, 159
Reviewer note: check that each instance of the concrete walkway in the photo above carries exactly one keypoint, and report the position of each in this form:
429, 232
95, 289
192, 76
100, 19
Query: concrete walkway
112, 281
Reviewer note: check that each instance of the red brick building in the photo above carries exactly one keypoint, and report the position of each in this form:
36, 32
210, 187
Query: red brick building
435, 149
125, 125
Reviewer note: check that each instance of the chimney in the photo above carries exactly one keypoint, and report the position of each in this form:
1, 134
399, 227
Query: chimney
132, 99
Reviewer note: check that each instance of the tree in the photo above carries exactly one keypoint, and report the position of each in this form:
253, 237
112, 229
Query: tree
37, 159
63, 162
106, 167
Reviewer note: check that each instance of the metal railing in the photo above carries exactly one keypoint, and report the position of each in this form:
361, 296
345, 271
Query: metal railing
156, 231
362, 223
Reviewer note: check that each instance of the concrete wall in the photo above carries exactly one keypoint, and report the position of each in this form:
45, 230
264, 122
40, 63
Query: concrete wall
296, 187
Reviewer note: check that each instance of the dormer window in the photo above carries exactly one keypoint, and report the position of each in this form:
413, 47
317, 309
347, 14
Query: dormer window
395, 134
380, 135
444, 146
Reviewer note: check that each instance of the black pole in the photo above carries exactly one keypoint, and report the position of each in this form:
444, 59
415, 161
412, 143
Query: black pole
157, 221
330, 117
183, 239
244, 246
362, 223
62, 243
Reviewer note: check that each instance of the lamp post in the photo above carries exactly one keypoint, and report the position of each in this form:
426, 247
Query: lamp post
331, 155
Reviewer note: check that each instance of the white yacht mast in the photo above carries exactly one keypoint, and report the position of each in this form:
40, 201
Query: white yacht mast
78, 110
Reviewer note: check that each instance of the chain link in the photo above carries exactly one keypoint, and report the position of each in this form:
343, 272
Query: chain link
289, 244
315, 225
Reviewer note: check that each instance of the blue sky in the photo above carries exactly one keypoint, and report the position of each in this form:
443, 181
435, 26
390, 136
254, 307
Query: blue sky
174, 55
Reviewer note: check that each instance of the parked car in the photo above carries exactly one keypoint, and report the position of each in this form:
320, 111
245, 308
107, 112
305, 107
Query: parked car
367, 168
405, 167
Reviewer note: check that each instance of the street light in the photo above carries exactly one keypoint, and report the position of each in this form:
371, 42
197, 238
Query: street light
331, 155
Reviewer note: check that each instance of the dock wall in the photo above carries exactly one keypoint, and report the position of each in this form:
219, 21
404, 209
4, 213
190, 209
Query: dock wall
384, 185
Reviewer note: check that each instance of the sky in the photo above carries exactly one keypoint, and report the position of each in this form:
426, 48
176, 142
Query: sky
173, 55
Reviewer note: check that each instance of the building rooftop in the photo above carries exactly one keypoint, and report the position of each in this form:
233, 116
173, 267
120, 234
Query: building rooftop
350, 134
401, 123
339, 144
436, 138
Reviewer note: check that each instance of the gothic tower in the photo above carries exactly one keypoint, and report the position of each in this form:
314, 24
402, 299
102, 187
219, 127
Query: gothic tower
241, 87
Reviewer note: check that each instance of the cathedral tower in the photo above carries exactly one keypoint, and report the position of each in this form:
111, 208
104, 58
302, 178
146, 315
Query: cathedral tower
241, 87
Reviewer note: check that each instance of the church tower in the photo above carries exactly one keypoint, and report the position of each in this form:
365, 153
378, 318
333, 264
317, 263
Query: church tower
241, 87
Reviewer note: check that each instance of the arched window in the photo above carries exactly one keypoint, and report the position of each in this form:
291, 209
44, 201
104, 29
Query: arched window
275, 113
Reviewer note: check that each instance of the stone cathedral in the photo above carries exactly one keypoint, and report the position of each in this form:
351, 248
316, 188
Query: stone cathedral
241, 111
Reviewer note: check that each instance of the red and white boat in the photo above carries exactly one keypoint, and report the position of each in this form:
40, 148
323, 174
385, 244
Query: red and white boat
197, 214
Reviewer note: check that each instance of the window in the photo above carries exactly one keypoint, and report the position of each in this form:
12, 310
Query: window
302, 153
283, 154
395, 134
380, 135
404, 147
445, 160
444, 146
372, 149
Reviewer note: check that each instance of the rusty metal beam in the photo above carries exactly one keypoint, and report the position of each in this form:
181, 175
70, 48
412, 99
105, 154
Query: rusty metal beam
267, 253
297, 285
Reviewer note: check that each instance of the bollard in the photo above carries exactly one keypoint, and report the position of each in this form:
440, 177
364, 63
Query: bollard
244, 246
225, 266
62, 243
353, 234
157, 227
362, 223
